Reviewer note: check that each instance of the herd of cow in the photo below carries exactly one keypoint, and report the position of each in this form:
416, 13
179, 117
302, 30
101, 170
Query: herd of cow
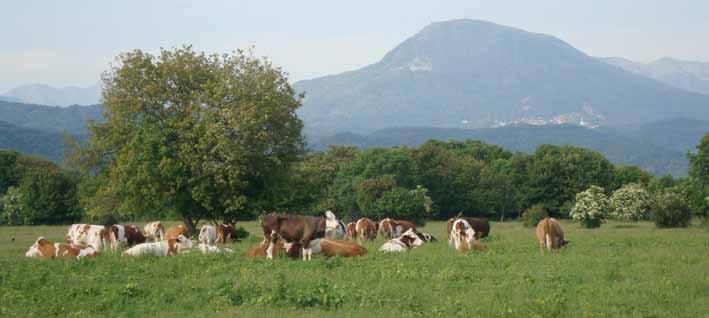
292, 235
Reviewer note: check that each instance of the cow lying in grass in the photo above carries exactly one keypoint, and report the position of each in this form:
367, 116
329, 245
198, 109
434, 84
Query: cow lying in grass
550, 235
211, 249
324, 247
168, 247
403, 243
46, 249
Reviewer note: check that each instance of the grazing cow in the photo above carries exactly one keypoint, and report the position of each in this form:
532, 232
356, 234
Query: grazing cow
462, 235
480, 225
124, 235
550, 235
207, 234
351, 230
87, 234
154, 231
175, 231
169, 247
292, 229
426, 237
207, 249
45, 249
366, 230
224, 232
403, 243
391, 228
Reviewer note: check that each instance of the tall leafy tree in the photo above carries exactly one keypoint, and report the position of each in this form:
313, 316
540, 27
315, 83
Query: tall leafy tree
202, 136
699, 177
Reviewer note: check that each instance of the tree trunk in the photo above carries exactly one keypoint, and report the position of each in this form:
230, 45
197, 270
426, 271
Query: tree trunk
190, 224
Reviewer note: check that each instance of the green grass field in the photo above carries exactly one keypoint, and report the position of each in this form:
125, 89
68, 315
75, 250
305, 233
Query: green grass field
619, 270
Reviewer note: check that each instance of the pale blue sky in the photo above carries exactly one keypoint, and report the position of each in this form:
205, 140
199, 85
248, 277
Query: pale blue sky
70, 42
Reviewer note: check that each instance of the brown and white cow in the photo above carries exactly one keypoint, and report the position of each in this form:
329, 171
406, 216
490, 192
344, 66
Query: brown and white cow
329, 248
175, 231
293, 229
462, 235
550, 235
154, 231
87, 234
365, 230
124, 235
224, 232
46, 249
391, 228
351, 230
169, 247
480, 225
403, 243
209, 234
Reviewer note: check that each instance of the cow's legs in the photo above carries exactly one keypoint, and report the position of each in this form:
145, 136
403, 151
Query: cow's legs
271, 245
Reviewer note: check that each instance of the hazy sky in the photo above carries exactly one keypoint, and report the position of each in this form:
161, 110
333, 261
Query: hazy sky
71, 42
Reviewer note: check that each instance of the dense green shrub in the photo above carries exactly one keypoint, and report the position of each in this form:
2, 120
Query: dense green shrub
671, 210
591, 207
533, 215
630, 202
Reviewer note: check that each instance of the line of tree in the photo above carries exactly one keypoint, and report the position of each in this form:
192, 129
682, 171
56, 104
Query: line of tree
216, 137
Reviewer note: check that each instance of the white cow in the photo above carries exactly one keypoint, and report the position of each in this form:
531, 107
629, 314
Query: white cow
87, 234
403, 243
207, 234
334, 228
168, 247
207, 249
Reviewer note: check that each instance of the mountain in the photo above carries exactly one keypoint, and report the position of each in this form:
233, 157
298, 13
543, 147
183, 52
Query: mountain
688, 75
681, 134
47, 144
617, 147
471, 74
71, 119
46, 95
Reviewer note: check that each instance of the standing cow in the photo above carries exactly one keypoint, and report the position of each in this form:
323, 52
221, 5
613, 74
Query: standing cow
462, 235
351, 230
550, 235
391, 228
175, 231
293, 229
366, 230
154, 231
87, 234
124, 235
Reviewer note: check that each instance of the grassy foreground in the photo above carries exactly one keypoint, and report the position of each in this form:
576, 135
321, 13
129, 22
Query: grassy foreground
619, 270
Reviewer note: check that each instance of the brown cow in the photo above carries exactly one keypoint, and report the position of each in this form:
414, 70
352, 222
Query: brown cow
224, 232
175, 231
480, 225
45, 249
366, 230
124, 235
550, 235
391, 228
293, 229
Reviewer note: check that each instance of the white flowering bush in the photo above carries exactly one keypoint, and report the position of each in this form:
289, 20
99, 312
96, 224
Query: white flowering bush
591, 207
630, 202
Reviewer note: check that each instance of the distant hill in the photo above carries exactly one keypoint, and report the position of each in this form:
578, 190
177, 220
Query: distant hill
47, 144
72, 119
47, 95
618, 148
473, 74
688, 75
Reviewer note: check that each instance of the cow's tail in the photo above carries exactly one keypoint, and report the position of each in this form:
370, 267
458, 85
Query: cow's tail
547, 235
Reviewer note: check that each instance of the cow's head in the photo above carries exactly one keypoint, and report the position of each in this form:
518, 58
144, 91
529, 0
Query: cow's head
41, 248
411, 239
563, 243
330, 216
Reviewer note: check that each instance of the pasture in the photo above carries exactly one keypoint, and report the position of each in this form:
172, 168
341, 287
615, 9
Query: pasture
619, 270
